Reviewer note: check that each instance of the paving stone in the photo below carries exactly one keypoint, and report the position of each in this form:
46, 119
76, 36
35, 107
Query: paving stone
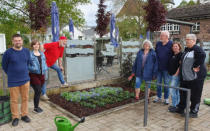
127, 119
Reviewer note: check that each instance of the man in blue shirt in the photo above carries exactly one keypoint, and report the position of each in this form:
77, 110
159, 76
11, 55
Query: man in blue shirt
15, 64
164, 53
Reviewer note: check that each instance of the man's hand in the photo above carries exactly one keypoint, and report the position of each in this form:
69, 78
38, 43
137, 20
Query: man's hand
197, 69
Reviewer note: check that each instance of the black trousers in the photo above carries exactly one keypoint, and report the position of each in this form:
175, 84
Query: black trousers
196, 87
37, 94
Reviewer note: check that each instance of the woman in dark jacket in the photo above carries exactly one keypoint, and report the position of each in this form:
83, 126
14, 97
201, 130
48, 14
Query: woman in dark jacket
37, 68
173, 70
145, 66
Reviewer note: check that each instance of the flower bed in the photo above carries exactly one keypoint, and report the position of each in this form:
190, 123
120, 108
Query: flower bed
100, 96
91, 101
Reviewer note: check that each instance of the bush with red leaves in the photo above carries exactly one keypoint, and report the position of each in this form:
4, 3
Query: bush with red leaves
38, 13
155, 15
102, 19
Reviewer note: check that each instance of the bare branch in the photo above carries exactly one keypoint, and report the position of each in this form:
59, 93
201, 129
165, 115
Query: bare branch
14, 7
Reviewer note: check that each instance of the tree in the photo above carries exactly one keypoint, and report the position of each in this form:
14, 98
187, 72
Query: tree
38, 13
16, 12
184, 3
68, 9
131, 19
191, 2
103, 19
128, 28
155, 15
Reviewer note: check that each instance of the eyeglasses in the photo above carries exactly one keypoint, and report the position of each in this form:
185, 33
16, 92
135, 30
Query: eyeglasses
188, 39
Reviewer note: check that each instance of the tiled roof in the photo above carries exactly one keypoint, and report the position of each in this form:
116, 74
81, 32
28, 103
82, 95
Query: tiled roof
190, 12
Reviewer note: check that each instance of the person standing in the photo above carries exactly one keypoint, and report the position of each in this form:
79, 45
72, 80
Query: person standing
173, 71
53, 52
144, 67
37, 69
164, 53
15, 63
193, 73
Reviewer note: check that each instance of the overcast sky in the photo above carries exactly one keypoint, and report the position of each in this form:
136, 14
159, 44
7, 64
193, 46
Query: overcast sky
90, 10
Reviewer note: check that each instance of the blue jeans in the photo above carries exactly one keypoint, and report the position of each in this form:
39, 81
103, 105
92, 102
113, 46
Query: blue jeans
174, 92
139, 81
163, 76
59, 72
44, 86
60, 76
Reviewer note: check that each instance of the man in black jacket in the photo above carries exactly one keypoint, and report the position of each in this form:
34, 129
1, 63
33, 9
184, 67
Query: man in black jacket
193, 73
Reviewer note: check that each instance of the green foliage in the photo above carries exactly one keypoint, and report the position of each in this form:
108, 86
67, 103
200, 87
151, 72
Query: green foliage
184, 3
128, 28
68, 9
14, 15
191, 2
98, 97
208, 76
131, 23
153, 86
126, 69
127, 64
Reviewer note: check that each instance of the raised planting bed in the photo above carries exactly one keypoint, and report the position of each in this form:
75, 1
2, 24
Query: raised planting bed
91, 101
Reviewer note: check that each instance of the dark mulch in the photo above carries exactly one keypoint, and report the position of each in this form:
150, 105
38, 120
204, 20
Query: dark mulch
80, 111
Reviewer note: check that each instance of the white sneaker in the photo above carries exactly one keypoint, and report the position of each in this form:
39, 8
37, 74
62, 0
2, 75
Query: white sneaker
166, 102
44, 97
157, 100
65, 85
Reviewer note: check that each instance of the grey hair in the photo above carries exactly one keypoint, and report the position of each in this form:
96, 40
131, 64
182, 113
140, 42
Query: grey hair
166, 32
149, 42
191, 36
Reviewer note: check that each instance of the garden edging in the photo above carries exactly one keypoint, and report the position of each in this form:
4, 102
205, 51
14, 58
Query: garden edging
74, 117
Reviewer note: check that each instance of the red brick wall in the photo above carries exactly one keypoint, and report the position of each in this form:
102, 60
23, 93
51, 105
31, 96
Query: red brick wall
203, 35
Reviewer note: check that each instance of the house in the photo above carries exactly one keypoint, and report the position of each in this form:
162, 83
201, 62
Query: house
197, 14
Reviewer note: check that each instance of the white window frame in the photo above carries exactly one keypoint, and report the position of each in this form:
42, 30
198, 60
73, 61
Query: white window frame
170, 27
196, 27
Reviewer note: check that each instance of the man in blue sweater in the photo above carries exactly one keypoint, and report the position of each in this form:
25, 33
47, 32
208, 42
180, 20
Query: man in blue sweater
164, 53
15, 64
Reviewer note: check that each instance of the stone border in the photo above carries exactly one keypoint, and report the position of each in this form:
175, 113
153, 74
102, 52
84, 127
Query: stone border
109, 111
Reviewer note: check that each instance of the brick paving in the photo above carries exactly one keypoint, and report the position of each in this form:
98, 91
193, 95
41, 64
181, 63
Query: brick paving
127, 119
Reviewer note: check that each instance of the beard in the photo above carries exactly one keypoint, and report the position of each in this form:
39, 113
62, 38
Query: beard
18, 46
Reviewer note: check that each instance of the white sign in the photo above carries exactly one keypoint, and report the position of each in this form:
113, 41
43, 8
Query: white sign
2, 43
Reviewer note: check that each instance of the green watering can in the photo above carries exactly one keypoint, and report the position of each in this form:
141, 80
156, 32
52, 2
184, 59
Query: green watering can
207, 101
63, 124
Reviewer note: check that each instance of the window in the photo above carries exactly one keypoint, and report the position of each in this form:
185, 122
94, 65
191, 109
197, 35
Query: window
170, 27
163, 27
196, 27
176, 27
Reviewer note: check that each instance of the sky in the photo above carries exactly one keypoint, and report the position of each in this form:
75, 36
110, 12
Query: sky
90, 10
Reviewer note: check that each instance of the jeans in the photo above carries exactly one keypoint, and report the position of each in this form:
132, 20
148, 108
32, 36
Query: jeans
163, 76
175, 97
139, 81
60, 76
44, 86
58, 70
15, 92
